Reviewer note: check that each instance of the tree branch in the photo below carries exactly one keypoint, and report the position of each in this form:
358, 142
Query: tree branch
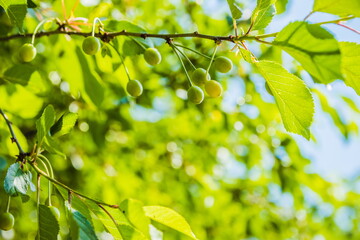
40, 172
13, 136
107, 36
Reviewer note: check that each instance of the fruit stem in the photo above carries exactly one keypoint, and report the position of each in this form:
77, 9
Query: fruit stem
212, 58
94, 25
37, 29
42, 160
122, 61
193, 50
8, 204
182, 63
184, 55
140, 44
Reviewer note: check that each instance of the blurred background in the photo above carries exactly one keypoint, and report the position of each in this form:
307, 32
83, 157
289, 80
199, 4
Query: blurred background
227, 165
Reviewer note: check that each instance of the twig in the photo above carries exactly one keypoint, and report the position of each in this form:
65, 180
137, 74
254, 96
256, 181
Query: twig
13, 136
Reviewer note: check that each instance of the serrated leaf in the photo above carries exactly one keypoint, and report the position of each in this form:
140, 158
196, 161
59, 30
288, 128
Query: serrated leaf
234, 9
16, 10
19, 73
133, 210
314, 47
262, 14
169, 218
44, 123
292, 97
17, 181
338, 7
48, 225
350, 59
64, 125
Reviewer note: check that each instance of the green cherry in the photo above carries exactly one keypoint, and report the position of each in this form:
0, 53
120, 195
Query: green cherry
134, 88
27, 52
55, 211
152, 56
267, 87
195, 94
213, 88
91, 45
223, 64
199, 76
7, 221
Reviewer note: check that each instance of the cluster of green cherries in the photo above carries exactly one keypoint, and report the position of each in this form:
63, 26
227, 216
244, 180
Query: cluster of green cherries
199, 77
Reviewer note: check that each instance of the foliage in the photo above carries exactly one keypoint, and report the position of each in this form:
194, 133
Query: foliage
141, 161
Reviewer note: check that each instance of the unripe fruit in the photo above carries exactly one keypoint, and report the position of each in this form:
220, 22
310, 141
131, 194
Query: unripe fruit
199, 76
223, 64
27, 52
55, 211
213, 88
152, 56
195, 94
91, 45
134, 88
267, 87
7, 221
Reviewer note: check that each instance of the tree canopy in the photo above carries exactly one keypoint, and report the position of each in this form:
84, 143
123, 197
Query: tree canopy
154, 120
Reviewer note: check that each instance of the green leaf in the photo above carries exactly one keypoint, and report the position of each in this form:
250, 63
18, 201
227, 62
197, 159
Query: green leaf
350, 59
85, 229
94, 90
262, 14
64, 125
17, 181
19, 73
16, 10
48, 225
44, 123
246, 54
133, 210
235, 9
76, 203
315, 48
31, 4
292, 97
106, 220
169, 218
338, 7
117, 225
280, 6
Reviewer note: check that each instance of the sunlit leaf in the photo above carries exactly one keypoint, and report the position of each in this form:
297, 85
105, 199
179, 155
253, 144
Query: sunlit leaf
338, 7
292, 97
234, 9
262, 14
350, 59
48, 225
169, 218
315, 48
